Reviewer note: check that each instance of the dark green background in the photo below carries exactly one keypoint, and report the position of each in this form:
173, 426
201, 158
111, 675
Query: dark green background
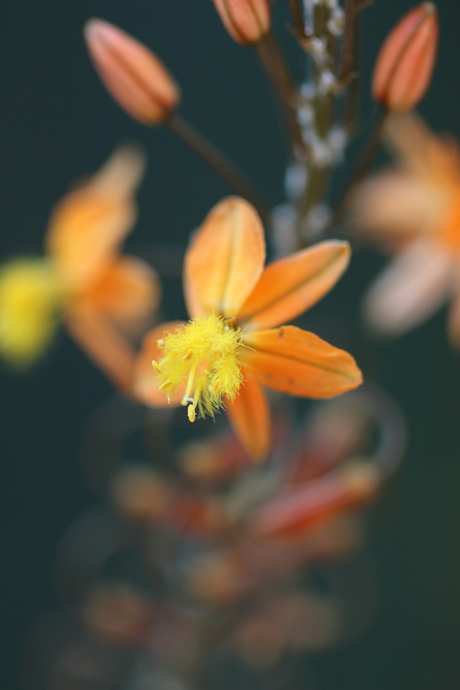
56, 124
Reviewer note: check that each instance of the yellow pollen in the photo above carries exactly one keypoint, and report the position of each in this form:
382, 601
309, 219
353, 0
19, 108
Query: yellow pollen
30, 299
201, 355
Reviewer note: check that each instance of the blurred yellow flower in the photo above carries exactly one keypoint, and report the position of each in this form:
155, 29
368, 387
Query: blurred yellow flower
29, 301
104, 299
413, 210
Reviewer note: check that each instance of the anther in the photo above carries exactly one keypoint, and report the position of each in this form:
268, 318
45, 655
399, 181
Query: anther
191, 413
188, 356
157, 367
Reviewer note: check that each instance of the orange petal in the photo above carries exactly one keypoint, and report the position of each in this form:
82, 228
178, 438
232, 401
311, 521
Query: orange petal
89, 224
301, 507
127, 292
249, 415
413, 286
146, 380
103, 343
291, 285
294, 361
226, 258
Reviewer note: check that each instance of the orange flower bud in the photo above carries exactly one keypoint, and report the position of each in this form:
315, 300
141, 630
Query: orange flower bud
133, 75
405, 62
247, 21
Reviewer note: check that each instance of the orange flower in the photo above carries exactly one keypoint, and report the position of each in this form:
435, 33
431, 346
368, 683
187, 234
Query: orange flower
414, 210
234, 346
104, 299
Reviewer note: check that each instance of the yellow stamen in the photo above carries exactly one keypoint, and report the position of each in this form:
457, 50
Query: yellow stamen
203, 356
30, 298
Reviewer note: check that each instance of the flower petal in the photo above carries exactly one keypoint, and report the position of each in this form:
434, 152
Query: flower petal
249, 415
410, 289
103, 343
292, 285
226, 258
297, 362
146, 380
89, 224
127, 293
395, 207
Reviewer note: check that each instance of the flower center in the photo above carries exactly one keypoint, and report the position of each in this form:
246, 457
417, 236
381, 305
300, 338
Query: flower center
201, 355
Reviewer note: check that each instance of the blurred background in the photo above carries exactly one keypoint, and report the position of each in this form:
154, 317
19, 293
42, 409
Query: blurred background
58, 124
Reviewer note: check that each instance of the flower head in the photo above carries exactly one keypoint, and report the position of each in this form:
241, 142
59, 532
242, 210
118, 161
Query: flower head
103, 298
413, 210
233, 346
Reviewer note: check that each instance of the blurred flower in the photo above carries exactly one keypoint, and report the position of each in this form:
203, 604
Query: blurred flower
405, 62
247, 21
233, 347
30, 298
134, 76
413, 210
103, 298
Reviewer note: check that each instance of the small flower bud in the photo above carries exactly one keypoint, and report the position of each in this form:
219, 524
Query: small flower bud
134, 76
247, 21
405, 62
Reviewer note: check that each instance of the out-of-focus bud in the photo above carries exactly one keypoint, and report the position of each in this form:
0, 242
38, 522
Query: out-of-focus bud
291, 621
221, 578
405, 62
118, 614
247, 21
133, 75
144, 496
304, 506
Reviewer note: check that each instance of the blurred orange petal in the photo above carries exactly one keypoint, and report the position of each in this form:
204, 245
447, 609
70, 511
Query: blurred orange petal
297, 362
146, 379
249, 415
88, 225
226, 257
127, 292
302, 507
395, 207
422, 152
103, 343
410, 289
291, 285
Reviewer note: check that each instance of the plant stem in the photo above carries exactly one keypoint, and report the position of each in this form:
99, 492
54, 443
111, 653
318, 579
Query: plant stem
277, 70
218, 162
365, 162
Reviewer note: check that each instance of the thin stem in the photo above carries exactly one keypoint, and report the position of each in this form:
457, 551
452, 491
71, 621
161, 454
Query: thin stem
323, 107
297, 15
218, 162
367, 158
277, 70
348, 50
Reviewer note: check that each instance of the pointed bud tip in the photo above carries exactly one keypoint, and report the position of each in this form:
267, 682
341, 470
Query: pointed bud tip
134, 76
405, 63
247, 21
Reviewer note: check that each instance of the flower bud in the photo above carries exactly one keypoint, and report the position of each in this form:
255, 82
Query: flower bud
405, 62
133, 75
247, 21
